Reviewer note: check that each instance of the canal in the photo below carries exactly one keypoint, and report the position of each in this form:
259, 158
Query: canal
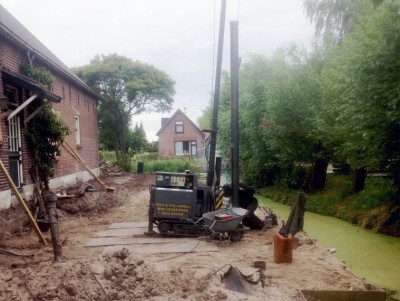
370, 255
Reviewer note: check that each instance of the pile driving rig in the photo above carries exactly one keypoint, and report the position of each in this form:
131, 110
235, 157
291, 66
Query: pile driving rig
177, 202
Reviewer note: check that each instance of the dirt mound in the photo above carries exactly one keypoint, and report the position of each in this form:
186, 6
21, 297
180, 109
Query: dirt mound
99, 201
12, 223
119, 276
129, 277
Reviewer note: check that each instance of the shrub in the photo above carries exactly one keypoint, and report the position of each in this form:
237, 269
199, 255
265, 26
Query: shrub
153, 163
108, 156
377, 191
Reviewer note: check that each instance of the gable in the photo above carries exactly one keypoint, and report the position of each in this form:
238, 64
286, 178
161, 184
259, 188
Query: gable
178, 116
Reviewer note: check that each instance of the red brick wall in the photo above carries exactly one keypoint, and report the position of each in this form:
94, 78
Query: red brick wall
10, 54
3, 184
167, 137
75, 101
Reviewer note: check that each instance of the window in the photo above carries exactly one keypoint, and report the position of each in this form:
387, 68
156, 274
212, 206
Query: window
185, 148
179, 127
77, 130
194, 148
178, 148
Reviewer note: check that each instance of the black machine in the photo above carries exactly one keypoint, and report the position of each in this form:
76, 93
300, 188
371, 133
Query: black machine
177, 202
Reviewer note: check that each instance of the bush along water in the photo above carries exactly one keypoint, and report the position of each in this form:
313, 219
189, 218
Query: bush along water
373, 208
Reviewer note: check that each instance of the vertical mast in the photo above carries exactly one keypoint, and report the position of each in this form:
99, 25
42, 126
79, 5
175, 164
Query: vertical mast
235, 112
214, 127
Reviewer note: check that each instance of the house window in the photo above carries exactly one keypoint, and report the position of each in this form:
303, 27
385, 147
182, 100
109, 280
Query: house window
77, 130
185, 148
194, 148
179, 127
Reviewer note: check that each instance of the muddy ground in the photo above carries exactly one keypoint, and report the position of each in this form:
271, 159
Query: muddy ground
87, 273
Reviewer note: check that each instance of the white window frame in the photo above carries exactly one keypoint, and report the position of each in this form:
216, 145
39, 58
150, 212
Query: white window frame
191, 151
178, 148
78, 129
193, 148
179, 127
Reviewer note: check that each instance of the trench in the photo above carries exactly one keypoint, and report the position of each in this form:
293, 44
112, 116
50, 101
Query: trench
370, 255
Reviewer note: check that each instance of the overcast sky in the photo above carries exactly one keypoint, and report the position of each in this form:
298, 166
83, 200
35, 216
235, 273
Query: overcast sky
176, 36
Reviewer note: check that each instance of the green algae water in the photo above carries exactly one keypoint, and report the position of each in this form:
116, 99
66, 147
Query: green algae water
370, 255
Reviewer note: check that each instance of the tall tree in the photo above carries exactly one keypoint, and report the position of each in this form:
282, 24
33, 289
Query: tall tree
138, 140
334, 18
361, 82
329, 16
278, 100
205, 119
127, 88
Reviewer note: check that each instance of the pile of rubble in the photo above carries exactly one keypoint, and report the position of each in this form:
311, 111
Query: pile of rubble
109, 170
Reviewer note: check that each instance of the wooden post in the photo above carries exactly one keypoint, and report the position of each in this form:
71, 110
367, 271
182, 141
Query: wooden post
22, 203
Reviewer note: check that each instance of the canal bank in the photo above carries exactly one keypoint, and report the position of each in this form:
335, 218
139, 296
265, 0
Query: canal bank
370, 255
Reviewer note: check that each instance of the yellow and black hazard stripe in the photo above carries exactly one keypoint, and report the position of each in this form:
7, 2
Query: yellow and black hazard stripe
219, 201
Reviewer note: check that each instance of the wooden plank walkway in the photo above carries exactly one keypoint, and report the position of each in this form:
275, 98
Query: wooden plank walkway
130, 235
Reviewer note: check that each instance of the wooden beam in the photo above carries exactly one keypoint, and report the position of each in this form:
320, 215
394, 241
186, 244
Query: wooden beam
21, 107
22, 203
33, 114
69, 149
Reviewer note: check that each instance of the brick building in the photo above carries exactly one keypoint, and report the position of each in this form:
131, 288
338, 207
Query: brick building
69, 95
179, 136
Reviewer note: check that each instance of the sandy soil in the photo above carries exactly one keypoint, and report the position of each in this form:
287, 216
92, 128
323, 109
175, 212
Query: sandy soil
88, 274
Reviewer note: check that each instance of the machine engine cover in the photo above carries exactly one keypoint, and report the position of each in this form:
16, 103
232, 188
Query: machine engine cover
174, 203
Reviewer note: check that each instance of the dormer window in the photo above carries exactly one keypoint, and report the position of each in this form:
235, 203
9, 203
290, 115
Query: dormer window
179, 127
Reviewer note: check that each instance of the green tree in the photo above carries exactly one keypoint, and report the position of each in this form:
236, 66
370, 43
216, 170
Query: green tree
205, 119
138, 140
334, 18
127, 88
294, 99
258, 160
152, 147
278, 100
46, 133
361, 90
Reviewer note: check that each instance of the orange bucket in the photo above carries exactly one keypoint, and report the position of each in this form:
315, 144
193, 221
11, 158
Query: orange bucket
283, 248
